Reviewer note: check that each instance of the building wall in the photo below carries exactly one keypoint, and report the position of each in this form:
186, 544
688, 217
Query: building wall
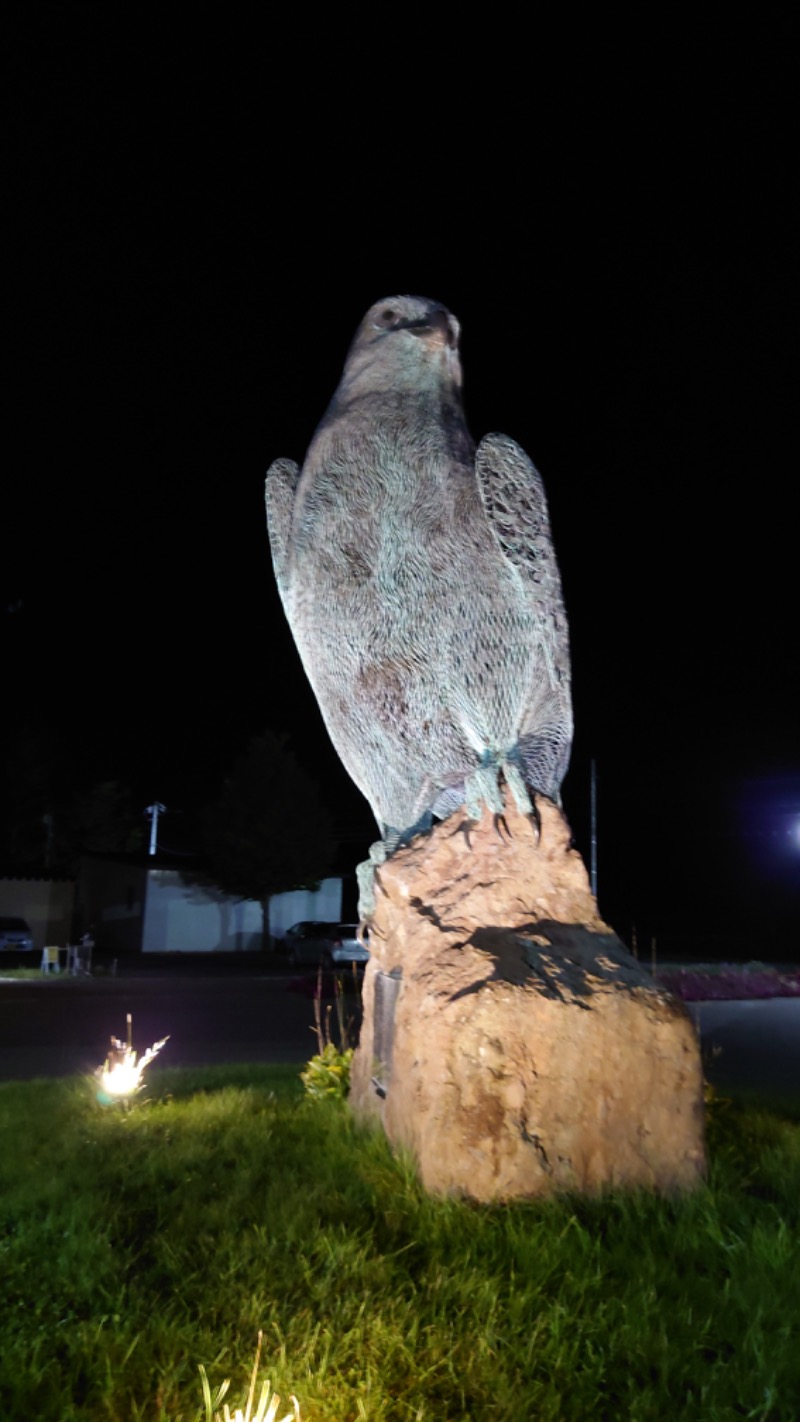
132, 908
46, 904
324, 904
111, 903
192, 919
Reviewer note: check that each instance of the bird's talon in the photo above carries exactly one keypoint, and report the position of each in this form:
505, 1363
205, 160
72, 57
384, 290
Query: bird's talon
518, 788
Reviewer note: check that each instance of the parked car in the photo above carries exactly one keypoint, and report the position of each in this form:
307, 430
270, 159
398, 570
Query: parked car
329, 945
15, 933
294, 937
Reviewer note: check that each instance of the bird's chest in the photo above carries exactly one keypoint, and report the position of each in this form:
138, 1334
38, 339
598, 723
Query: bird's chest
384, 519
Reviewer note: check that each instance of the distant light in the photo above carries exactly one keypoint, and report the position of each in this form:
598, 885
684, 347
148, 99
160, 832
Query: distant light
768, 814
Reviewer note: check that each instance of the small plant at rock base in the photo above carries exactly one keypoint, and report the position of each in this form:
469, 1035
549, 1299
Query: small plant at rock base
328, 1072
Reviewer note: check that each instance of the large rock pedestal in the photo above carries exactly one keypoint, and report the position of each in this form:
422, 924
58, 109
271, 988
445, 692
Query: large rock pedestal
509, 1039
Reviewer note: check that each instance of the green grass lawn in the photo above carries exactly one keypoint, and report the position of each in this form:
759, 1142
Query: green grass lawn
136, 1245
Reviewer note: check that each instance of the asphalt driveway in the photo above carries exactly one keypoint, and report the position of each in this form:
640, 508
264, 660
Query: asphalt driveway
57, 1029
751, 1045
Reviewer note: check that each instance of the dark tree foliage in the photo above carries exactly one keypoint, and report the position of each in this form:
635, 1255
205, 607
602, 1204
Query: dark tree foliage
268, 832
33, 789
105, 819
53, 806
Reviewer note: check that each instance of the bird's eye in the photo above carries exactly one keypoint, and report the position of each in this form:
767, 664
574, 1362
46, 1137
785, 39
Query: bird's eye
387, 317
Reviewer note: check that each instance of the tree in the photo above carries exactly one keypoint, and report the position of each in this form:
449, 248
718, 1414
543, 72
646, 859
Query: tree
106, 820
268, 832
33, 789
54, 806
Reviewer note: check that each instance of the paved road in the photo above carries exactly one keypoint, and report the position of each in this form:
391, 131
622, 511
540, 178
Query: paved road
751, 1044
56, 1029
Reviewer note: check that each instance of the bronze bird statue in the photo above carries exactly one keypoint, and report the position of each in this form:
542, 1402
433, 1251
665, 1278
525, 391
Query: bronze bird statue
419, 579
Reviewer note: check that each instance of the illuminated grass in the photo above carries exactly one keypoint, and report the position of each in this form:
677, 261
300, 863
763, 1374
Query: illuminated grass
136, 1246
32, 975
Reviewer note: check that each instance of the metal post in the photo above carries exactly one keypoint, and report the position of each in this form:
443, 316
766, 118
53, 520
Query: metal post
154, 811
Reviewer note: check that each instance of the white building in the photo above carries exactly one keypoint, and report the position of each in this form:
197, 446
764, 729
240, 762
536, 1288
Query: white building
149, 905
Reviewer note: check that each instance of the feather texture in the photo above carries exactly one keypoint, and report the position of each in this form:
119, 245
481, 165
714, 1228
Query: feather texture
419, 579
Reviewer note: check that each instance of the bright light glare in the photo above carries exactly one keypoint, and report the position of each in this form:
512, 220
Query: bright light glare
267, 1408
269, 1416
122, 1078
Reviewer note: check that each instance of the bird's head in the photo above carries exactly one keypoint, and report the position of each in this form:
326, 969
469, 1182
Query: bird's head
426, 321
405, 337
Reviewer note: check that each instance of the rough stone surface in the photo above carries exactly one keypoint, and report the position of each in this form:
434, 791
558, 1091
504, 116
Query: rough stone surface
531, 1052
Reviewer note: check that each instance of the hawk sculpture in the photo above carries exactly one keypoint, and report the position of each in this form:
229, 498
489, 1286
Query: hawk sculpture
421, 586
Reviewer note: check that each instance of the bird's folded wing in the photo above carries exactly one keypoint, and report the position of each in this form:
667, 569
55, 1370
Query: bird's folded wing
279, 492
513, 496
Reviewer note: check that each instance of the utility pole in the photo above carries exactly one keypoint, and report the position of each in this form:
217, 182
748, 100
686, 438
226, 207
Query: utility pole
154, 811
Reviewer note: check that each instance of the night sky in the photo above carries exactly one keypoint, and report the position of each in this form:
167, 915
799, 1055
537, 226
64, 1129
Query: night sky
197, 227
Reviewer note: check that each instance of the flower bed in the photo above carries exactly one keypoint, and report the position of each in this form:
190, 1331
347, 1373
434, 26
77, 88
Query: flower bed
721, 982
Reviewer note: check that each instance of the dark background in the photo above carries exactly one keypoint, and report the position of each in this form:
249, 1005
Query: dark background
197, 222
